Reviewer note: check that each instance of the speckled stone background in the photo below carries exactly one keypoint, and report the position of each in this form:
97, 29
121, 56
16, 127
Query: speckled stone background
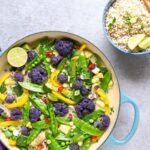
19, 18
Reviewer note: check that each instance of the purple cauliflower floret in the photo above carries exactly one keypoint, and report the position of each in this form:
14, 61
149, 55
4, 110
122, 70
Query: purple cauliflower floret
16, 114
9, 99
18, 77
34, 114
104, 121
74, 146
78, 85
60, 109
25, 131
62, 78
86, 106
31, 54
2, 147
84, 91
38, 75
56, 60
64, 47
1, 111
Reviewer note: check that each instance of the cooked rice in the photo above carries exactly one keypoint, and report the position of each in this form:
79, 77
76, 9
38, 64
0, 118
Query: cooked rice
126, 18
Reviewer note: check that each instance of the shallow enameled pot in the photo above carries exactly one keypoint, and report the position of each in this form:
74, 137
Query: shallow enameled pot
109, 4
116, 96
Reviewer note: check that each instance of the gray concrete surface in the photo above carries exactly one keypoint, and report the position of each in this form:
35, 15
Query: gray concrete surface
19, 18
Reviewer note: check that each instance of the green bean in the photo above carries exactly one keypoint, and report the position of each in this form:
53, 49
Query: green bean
32, 87
105, 81
40, 125
26, 109
39, 105
54, 124
86, 144
87, 128
54, 145
61, 64
94, 115
63, 120
98, 61
46, 66
82, 64
33, 134
72, 71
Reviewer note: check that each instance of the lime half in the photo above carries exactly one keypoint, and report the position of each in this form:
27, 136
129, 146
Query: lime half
17, 57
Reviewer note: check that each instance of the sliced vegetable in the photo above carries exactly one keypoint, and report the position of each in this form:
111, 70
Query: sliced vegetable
105, 80
63, 120
39, 105
72, 71
32, 87
10, 123
52, 97
94, 115
3, 88
26, 109
85, 127
64, 99
22, 141
54, 124
4, 77
54, 145
20, 102
40, 125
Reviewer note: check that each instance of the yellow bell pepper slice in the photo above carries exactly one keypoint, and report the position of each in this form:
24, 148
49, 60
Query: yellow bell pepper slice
105, 99
12, 142
61, 97
10, 123
22, 100
2, 97
4, 77
54, 74
83, 46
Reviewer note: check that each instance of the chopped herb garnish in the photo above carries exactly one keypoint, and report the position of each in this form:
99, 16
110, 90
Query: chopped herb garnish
2, 88
112, 23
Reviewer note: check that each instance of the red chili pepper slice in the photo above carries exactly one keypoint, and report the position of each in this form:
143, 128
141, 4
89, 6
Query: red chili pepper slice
91, 66
49, 54
7, 119
60, 89
46, 119
40, 146
94, 138
70, 116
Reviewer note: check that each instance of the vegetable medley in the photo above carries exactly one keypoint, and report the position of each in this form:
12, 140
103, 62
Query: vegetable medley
54, 96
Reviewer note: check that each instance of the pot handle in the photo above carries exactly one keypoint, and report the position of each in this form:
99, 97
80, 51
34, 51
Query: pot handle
112, 139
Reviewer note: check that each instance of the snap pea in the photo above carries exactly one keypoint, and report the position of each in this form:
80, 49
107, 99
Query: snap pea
98, 61
105, 81
86, 144
39, 105
26, 109
61, 64
79, 137
54, 145
72, 71
54, 124
82, 64
37, 60
46, 66
63, 120
22, 141
87, 128
62, 137
32, 87
94, 115
33, 134
40, 125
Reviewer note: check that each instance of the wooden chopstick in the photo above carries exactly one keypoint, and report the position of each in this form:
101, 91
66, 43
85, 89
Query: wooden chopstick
147, 4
